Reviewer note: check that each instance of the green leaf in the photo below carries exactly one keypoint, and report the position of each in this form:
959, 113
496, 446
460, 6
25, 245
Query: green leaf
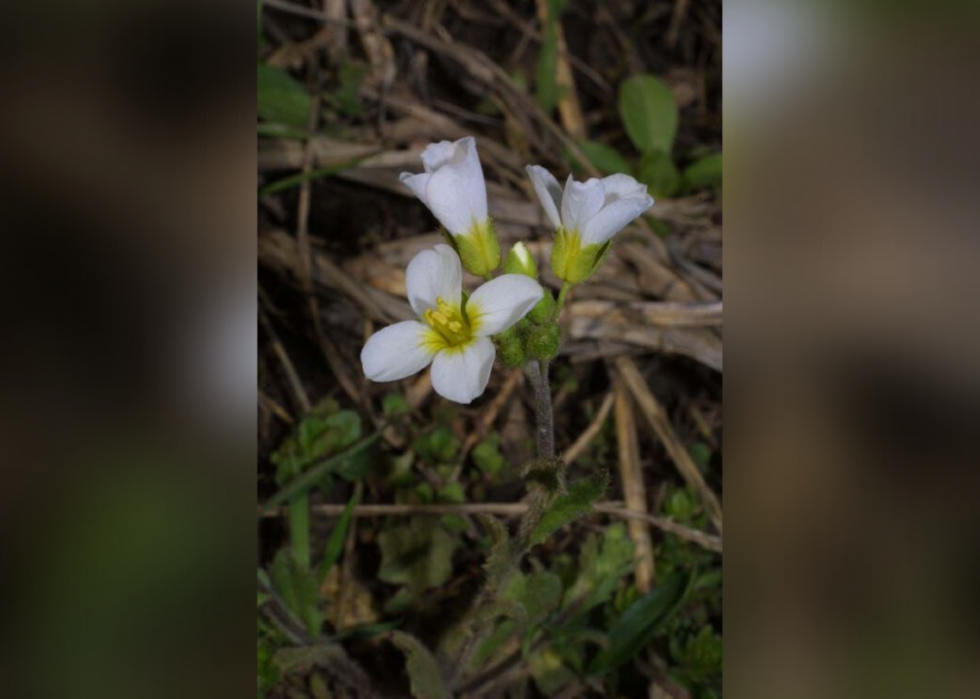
605, 158
637, 625
281, 98
705, 173
300, 177
418, 555
546, 92
549, 672
335, 544
569, 507
605, 559
499, 557
506, 630
321, 436
312, 476
649, 113
327, 656
296, 584
658, 172
487, 456
394, 406
423, 670
452, 493
347, 96
440, 445
542, 594
701, 454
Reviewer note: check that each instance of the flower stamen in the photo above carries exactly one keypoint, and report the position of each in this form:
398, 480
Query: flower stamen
449, 323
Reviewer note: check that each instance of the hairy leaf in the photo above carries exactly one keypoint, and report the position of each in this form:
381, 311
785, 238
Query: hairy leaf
649, 113
418, 555
499, 557
549, 672
603, 562
296, 584
542, 595
569, 507
423, 670
329, 657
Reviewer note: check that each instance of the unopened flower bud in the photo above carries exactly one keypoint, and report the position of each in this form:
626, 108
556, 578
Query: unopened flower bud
520, 261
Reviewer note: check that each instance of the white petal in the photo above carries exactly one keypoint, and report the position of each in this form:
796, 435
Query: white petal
396, 352
620, 186
461, 375
580, 202
614, 218
431, 275
456, 193
548, 190
416, 183
436, 155
501, 302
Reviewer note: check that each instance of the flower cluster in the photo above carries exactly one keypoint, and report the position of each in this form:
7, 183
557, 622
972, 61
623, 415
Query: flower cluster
454, 330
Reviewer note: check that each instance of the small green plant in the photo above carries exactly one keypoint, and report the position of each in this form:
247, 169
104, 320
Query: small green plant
572, 618
650, 117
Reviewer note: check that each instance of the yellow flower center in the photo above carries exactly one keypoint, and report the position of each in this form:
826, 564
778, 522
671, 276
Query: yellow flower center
449, 327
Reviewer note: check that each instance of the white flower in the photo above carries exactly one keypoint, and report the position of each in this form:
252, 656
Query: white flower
593, 211
452, 185
452, 334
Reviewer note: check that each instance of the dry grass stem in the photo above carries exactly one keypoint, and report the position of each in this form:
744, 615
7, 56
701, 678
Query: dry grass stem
634, 489
658, 420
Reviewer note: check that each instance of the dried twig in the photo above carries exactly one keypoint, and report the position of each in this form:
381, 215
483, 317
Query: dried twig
569, 108
634, 488
510, 509
590, 432
292, 376
657, 418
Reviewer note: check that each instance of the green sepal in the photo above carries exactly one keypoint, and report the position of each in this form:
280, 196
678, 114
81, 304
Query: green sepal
570, 261
510, 349
544, 309
479, 249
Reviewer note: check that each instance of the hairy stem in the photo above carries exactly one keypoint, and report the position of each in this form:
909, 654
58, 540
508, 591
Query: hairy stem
537, 499
538, 373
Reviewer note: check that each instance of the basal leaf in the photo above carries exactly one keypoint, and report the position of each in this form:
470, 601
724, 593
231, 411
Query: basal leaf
605, 559
605, 158
658, 172
637, 625
705, 173
282, 98
297, 587
418, 555
335, 544
649, 113
423, 670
